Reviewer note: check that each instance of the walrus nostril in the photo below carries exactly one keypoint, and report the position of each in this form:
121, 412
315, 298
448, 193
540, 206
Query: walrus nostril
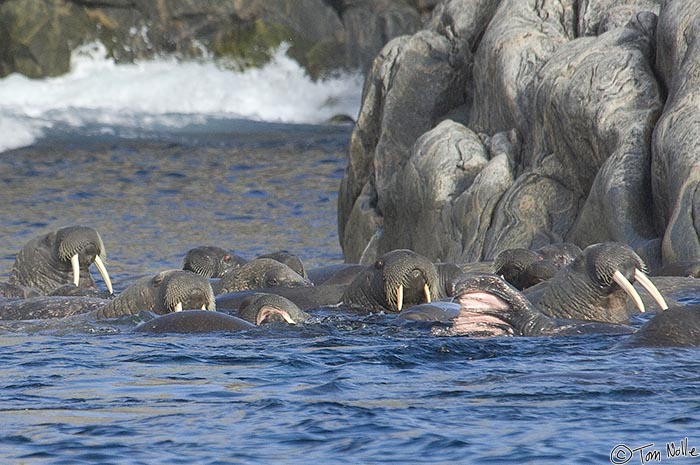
89, 250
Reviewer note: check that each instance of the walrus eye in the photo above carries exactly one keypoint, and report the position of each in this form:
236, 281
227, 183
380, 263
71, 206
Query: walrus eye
379, 264
158, 279
273, 282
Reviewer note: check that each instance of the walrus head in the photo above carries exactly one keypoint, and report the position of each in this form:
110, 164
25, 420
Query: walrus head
180, 290
490, 306
398, 279
81, 246
59, 258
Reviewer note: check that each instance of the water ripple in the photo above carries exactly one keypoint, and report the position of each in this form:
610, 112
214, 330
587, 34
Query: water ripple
366, 390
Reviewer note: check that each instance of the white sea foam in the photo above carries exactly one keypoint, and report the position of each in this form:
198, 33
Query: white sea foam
166, 92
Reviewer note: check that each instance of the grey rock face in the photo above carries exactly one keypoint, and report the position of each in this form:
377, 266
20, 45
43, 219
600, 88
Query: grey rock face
576, 123
593, 110
672, 36
444, 162
519, 39
676, 160
393, 116
473, 210
598, 16
464, 19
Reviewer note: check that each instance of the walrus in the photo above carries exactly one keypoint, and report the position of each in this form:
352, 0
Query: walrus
167, 291
260, 308
260, 273
211, 261
486, 305
60, 257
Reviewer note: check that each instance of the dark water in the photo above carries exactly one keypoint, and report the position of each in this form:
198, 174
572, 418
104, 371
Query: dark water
367, 391
248, 187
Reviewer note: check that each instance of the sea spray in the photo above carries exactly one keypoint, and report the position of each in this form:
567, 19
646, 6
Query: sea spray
166, 92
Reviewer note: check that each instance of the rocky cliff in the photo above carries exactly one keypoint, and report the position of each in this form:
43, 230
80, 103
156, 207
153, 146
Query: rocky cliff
37, 36
518, 123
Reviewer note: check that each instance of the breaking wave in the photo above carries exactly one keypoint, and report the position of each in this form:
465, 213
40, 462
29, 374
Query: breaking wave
166, 92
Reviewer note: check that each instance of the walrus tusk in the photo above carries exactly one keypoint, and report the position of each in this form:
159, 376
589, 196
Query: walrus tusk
426, 289
651, 288
204, 306
399, 297
620, 279
103, 272
76, 269
178, 307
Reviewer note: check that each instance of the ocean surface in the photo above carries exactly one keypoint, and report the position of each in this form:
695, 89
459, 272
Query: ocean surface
160, 178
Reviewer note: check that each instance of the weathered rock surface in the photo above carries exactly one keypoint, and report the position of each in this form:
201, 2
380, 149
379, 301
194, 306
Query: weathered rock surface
595, 103
598, 16
37, 36
676, 159
443, 164
393, 116
550, 140
519, 39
